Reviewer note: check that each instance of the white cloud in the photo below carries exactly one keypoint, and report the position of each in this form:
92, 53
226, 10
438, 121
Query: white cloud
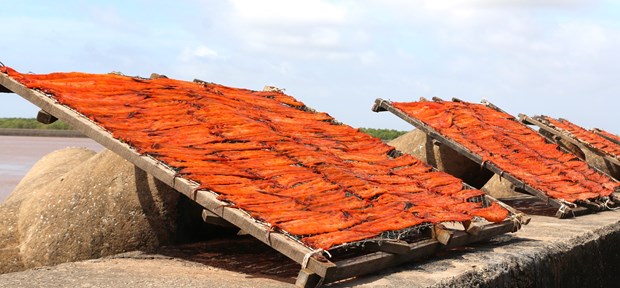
527, 3
547, 52
282, 13
584, 39
316, 39
444, 5
313, 29
198, 52
204, 51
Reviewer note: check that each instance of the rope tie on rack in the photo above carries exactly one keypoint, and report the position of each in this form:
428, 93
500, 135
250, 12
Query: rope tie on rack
606, 205
383, 101
304, 263
565, 205
482, 164
562, 209
268, 234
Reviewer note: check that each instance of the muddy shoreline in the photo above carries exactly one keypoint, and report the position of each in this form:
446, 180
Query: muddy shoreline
19, 153
40, 133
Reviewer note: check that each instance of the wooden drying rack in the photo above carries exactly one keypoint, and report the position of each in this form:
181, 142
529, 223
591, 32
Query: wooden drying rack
565, 209
555, 135
315, 269
598, 132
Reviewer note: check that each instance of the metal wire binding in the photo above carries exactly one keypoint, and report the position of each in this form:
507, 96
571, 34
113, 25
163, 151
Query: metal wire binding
2, 64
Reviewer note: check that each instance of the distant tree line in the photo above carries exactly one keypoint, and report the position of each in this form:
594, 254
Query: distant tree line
31, 123
383, 134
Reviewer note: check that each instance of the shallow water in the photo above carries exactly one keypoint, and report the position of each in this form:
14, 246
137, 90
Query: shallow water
19, 153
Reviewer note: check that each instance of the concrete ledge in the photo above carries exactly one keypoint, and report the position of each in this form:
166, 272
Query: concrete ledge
40, 133
549, 252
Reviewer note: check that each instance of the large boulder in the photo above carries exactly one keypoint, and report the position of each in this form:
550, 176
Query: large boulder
499, 187
46, 169
75, 204
442, 157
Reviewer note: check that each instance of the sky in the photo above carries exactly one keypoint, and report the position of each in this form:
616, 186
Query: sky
551, 57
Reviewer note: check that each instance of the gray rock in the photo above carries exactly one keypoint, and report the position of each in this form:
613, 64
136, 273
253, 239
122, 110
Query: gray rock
442, 157
75, 205
499, 187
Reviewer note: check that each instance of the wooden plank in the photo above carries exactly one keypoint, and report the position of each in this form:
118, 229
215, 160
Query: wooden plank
4, 89
598, 132
308, 279
533, 121
376, 261
572, 212
573, 140
46, 118
455, 238
278, 241
392, 246
492, 106
373, 262
443, 235
461, 238
378, 106
212, 218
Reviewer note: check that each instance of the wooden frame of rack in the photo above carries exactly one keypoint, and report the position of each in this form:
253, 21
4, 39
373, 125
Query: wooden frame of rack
556, 136
374, 255
565, 209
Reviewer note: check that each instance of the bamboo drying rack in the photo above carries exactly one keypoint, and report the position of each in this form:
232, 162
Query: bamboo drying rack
316, 269
565, 209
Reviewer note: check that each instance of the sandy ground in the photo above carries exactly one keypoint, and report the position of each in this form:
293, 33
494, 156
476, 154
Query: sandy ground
19, 153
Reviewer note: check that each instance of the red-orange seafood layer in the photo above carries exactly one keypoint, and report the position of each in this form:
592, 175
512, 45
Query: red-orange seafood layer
583, 135
268, 154
513, 147
607, 135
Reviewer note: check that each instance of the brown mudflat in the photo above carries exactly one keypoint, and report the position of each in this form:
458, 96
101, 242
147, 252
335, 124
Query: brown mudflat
19, 153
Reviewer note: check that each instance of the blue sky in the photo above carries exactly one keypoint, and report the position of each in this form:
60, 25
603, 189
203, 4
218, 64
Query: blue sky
551, 57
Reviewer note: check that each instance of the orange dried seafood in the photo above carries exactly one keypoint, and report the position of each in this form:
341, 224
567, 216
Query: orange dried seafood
266, 153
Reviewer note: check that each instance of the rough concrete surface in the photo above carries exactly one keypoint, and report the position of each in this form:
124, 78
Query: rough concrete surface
138, 271
549, 252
